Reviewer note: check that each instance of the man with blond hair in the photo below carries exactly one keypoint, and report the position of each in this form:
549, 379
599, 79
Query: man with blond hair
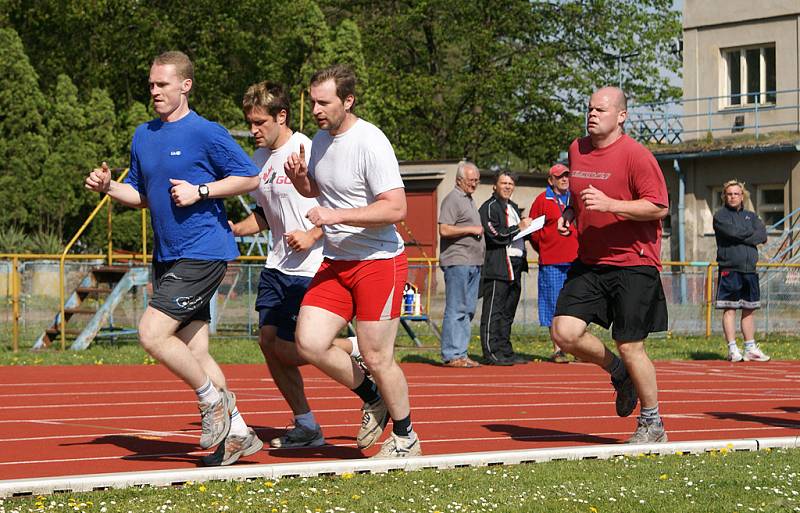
738, 233
354, 173
181, 167
620, 198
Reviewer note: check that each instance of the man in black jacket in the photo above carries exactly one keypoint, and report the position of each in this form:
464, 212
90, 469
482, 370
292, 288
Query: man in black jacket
738, 231
503, 265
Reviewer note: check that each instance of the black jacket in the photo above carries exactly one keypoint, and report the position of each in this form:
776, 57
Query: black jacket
498, 235
738, 232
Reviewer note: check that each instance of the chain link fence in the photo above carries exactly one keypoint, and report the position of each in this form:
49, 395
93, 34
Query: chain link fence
686, 287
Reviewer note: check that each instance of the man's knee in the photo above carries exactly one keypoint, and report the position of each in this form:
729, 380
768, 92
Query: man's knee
376, 361
631, 350
150, 336
566, 334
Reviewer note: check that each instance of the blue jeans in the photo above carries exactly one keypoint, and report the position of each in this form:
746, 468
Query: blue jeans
461, 296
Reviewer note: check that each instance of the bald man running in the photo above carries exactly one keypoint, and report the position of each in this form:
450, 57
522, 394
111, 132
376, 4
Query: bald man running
621, 199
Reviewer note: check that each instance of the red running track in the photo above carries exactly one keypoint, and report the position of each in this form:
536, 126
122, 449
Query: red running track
57, 421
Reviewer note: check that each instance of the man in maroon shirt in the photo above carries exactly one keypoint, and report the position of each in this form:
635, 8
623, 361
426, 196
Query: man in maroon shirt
620, 199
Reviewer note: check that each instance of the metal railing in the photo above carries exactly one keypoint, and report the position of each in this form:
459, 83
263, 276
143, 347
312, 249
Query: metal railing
678, 121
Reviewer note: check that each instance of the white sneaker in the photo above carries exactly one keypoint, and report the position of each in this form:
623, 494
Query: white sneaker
734, 355
755, 355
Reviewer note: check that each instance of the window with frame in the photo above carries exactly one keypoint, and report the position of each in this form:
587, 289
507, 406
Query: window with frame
749, 76
770, 207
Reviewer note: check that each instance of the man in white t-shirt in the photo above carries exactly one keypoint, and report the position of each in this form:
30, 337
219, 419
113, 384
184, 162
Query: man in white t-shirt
294, 259
354, 173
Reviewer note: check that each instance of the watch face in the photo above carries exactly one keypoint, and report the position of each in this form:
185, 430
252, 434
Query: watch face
203, 190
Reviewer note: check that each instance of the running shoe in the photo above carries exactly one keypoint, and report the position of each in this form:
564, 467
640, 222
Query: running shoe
627, 398
400, 447
755, 354
373, 422
235, 447
299, 437
559, 357
734, 355
216, 419
652, 433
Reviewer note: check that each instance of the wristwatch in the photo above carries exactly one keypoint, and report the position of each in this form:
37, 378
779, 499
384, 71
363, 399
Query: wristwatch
202, 190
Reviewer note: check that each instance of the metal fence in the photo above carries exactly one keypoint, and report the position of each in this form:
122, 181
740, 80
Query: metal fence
31, 305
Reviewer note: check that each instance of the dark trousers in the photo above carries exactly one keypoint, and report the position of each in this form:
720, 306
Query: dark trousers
500, 299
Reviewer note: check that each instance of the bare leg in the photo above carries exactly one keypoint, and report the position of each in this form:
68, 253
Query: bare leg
376, 341
570, 334
283, 361
641, 370
316, 330
157, 336
748, 325
729, 324
195, 336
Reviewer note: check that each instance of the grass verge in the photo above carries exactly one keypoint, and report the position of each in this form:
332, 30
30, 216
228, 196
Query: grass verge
721, 481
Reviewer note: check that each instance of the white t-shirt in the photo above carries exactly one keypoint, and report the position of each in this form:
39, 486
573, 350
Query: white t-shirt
285, 209
350, 170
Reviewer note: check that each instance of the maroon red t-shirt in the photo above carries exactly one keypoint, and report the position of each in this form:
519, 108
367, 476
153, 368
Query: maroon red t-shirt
624, 170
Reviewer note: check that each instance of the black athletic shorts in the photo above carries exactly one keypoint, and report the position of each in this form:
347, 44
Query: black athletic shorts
630, 298
737, 290
183, 288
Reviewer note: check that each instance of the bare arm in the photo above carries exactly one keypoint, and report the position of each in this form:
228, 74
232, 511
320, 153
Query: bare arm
633, 210
388, 208
296, 169
300, 240
185, 193
99, 180
449, 231
250, 225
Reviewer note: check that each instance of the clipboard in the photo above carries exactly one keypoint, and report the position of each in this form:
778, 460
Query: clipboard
536, 225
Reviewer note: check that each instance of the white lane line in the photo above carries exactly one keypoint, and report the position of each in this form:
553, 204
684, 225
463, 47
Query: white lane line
194, 433
712, 400
426, 441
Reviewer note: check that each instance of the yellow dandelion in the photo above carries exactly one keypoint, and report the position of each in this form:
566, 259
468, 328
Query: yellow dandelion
355, 497
201, 488
347, 475
592, 509
269, 484
663, 477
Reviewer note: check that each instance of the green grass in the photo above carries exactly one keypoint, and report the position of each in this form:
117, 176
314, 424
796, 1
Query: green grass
724, 482
533, 343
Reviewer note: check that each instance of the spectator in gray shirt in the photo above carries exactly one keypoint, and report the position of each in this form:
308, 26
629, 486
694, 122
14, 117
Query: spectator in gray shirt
460, 256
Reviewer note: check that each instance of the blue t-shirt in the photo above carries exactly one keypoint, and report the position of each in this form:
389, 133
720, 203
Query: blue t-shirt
198, 151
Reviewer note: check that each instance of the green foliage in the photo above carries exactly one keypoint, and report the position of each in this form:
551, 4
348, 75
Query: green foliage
13, 240
46, 242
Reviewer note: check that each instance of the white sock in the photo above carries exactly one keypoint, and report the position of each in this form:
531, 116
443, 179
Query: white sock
238, 427
749, 344
306, 420
208, 393
732, 346
355, 351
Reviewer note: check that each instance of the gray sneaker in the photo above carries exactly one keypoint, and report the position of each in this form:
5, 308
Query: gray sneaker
373, 422
400, 447
216, 419
299, 437
235, 447
652, 433
627, 398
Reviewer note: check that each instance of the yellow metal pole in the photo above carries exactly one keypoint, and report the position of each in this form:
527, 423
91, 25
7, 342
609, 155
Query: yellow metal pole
302, 107
108, 234
15, 288
144, 236
709, 279
430, 281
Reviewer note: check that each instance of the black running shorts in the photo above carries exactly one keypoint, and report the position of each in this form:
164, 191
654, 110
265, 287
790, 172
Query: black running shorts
629, 298
183, 289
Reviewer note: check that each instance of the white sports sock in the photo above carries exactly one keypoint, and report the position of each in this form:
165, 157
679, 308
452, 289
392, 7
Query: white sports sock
732, 345
749, 344
355, 351
208, 393
306, 420
238, 427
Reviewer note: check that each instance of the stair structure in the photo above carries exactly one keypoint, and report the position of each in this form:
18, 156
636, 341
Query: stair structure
107, 284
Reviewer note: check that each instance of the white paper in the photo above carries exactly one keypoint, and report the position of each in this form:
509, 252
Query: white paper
535, 225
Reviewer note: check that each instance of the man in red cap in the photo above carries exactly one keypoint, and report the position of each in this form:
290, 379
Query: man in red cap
556, 252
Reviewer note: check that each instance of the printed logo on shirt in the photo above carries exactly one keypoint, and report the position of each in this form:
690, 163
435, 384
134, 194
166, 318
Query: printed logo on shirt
175, 153
268, 176
590, 175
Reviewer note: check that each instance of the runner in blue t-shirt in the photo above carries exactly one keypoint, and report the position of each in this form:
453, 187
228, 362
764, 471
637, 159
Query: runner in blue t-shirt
182, 165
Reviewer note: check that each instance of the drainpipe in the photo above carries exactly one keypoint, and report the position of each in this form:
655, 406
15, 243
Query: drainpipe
681, 229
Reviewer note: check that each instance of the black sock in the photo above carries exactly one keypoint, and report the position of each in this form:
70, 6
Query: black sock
368, 391
402, 427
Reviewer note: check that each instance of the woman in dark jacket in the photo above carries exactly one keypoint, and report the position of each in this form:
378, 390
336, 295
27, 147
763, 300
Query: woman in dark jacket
738, 232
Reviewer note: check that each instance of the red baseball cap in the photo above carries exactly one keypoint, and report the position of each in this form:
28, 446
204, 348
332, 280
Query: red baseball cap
558, 170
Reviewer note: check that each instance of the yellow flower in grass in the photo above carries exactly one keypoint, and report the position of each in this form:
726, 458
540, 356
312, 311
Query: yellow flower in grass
355, 497
347, 475
592, 509
201, 488
269, 484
